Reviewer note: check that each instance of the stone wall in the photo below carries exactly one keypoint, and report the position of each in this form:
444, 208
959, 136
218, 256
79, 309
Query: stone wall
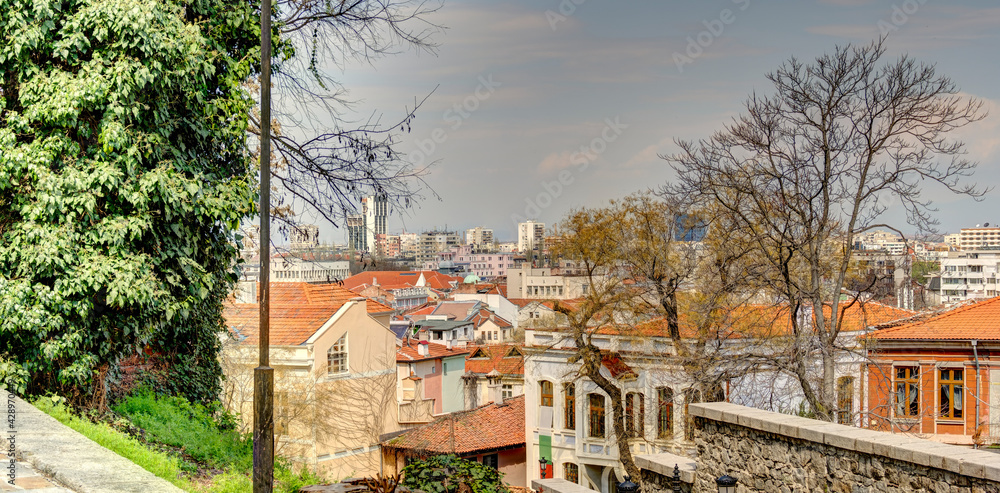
768, 451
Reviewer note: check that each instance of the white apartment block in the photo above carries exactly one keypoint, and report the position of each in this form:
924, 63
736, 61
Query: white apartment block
479, 237
979, 238
529, 235
969, 274
292, 269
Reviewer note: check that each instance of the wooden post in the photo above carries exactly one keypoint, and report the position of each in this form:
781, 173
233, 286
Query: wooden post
263, 375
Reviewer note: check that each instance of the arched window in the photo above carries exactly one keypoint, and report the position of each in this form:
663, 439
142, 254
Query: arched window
546, 393
665, 412
569, 407
596, 408
336, 357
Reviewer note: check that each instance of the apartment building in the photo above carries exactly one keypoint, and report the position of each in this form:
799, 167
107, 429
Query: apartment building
530, 235
479, 238
969, 274
979, 237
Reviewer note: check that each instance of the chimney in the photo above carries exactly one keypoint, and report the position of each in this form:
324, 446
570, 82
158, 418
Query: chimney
493, 386
449, 344
422, 348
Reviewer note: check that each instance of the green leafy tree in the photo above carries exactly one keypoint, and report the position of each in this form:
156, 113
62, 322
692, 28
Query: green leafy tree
924, 267
446, 474
124, 172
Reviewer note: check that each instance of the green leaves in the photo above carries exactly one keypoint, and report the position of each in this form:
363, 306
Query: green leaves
123, 171
444, 474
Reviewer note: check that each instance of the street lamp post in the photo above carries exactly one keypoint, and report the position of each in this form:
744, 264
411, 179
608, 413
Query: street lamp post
726, 484
263, 375
541, 465
628, 486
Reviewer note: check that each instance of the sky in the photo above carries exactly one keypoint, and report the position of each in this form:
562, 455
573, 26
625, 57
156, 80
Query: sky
544, 106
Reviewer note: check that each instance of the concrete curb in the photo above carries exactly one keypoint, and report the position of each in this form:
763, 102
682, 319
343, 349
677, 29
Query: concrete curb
76, 461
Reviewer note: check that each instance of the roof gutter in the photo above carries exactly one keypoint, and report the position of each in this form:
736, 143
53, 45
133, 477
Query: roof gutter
975, 353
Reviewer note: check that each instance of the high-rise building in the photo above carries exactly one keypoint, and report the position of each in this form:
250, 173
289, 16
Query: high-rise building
362, 229
479, 238
376, 211
529, 236
356, 233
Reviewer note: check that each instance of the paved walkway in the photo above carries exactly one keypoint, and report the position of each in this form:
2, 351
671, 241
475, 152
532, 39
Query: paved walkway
28, 479
75, 462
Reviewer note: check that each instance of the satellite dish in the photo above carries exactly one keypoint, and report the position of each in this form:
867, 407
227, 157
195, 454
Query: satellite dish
986, 225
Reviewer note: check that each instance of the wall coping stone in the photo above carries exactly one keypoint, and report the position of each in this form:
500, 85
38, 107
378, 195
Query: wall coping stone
663, 464
960, 460
558, 485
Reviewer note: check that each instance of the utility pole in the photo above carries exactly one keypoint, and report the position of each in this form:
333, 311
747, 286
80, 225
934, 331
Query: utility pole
263, 375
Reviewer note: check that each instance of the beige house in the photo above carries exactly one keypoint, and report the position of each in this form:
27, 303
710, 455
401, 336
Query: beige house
335, 384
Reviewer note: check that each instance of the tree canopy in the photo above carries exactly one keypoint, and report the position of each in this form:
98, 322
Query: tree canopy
124, 172
802, 171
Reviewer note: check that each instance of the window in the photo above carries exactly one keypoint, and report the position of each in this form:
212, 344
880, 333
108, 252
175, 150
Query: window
506, 391
665, 412
336, 357
571, 472
492, 460
952, 381
635, 415
907, 392
569, 407
546, 391
596, 415
845, 400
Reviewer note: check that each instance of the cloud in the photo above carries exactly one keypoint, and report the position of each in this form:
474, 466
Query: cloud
555, 162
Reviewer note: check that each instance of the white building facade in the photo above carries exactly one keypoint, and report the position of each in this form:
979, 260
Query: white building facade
969, 274
530, 235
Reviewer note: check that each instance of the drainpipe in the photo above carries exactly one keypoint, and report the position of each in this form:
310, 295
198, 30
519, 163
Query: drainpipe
975, 353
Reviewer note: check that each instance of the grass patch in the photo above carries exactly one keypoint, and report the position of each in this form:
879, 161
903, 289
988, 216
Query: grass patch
193, 429
200, 456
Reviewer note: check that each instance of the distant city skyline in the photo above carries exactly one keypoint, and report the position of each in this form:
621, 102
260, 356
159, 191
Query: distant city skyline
544, 107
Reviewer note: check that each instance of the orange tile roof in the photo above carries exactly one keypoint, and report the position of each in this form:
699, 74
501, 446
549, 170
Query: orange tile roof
401, 279
484, 359
484, 314
761, 321
492, 288
489, 427
408, 351
979, 321
298, 310
617, 366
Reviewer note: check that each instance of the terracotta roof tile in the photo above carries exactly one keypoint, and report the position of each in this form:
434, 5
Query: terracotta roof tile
618, 368
401, 279
408, 351
762, 321
489, 427
979, 321
507, 359
298, 310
